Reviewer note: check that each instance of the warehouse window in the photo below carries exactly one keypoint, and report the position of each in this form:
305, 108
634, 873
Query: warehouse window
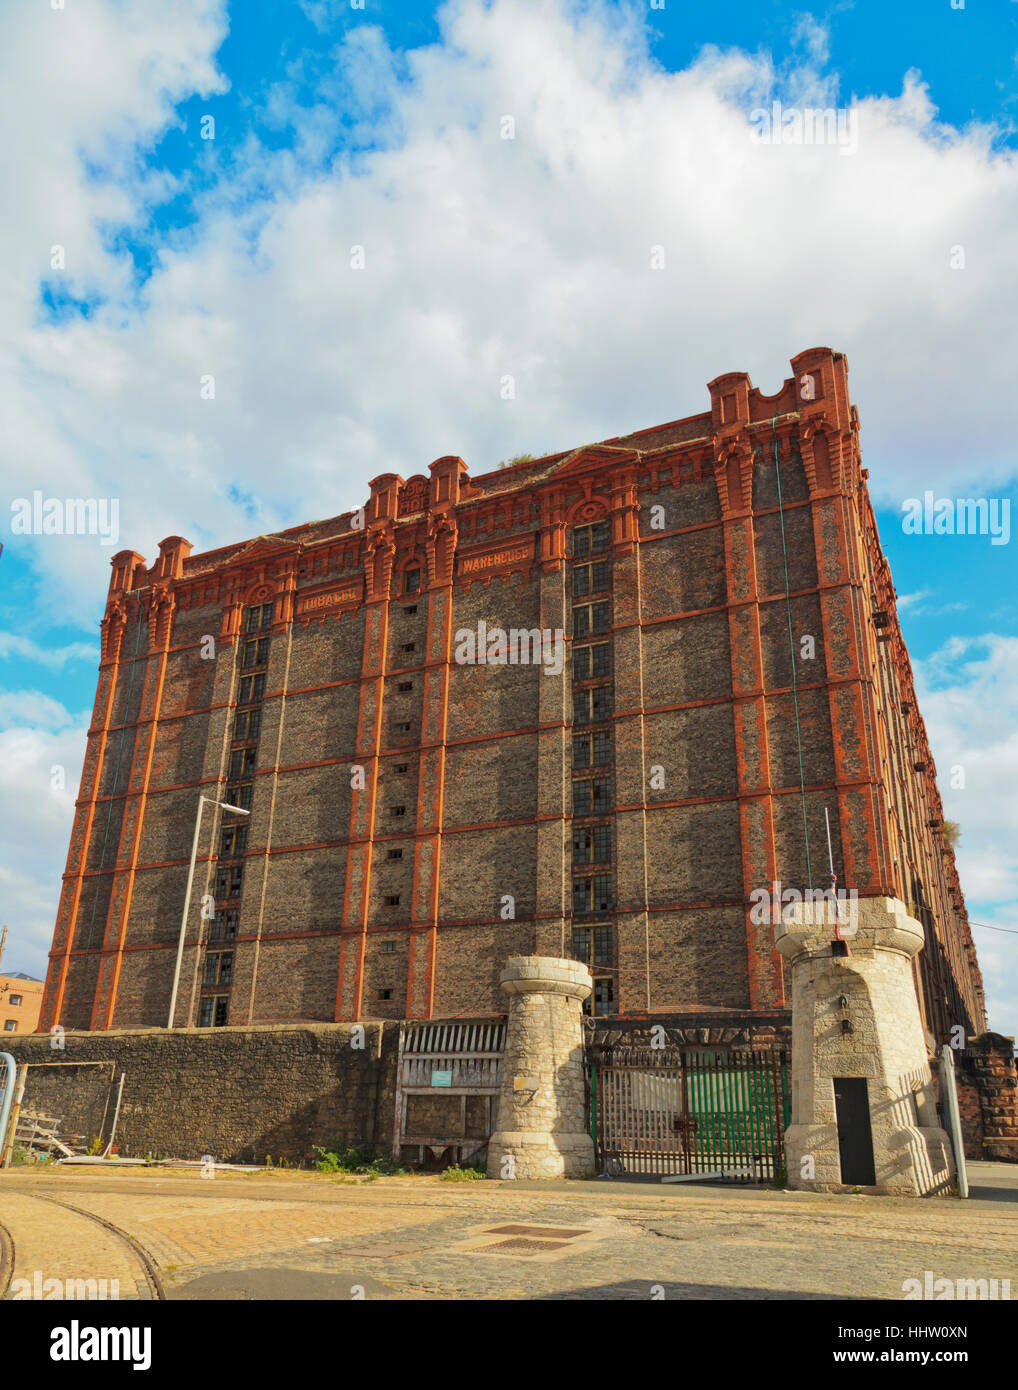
404, 686
251, 688
218, 968
591, 798
391, 900
592, 894
411, 581
259, 617
603, 997
591, 706
240, 796
408, 647
397, 810
224, 925
233, 840
400, 767
411, 610
213, 1011
591, 540
242, 762
387, 947
247, 725
601, 888
10, 1025
592, 844
385, 994
592, 579
256, 653
591, 661
593, 749
16, 1001
403, 727
228, 881
593, 945
395, 854
591, 618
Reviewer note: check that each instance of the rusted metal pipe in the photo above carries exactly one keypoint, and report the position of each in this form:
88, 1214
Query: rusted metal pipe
19, 1094
8, 1094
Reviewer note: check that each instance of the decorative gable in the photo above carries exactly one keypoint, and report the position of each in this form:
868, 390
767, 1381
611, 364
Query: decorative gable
593, 456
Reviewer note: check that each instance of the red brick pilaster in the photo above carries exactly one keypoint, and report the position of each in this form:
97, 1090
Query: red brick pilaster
733, 470
552, 899
447, 475
829, 451
379, 555
552, 535
161, 607
114, 624
635, 985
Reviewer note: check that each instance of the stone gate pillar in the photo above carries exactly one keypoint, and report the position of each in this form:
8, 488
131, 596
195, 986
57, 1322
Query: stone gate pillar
855, 1019
541, 1110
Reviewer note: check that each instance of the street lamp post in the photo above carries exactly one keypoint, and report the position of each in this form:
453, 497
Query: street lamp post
237, 810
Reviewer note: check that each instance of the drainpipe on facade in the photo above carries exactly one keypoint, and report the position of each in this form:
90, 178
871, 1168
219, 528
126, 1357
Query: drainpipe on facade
17, 1092
8, 1095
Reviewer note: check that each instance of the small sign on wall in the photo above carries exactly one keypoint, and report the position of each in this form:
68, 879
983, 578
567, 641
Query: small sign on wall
441, 1078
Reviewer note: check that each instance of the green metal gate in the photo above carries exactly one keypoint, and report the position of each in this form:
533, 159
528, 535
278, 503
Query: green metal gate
691, 1113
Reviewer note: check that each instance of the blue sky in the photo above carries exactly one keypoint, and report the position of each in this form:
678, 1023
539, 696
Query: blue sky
337, 127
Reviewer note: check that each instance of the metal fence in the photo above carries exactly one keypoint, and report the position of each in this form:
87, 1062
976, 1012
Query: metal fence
701, 1114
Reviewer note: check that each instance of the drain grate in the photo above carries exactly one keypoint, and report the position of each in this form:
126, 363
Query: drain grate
531, 1242
550, 1232
518, 1246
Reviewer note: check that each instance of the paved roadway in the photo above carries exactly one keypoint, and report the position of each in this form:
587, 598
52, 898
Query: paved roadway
298, 1235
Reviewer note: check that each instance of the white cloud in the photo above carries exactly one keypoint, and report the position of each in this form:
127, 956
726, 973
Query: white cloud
966, 693
915, 605
324, 13
484, 257
11, 646
36, 711
42, 745
814, 37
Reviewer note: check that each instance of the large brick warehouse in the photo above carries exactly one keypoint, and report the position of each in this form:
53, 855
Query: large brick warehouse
437, 779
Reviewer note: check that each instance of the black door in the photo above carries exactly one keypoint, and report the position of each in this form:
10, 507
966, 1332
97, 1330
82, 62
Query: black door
855, 1138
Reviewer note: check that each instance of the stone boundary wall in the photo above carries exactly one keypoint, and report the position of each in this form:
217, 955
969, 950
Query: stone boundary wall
237, 1094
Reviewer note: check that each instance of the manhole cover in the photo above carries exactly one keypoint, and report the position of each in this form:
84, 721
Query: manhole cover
524, 1247
551, 1232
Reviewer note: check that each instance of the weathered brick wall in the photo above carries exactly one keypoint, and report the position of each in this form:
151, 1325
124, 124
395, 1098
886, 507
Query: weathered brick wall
970, 1112
987, 1081
713, 592
238, 1094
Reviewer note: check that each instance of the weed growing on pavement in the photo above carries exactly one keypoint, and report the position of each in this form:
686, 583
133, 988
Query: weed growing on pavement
454, 1173
350, 1158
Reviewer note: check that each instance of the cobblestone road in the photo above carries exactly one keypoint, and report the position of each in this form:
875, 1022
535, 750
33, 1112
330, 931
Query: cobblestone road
285, 1235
